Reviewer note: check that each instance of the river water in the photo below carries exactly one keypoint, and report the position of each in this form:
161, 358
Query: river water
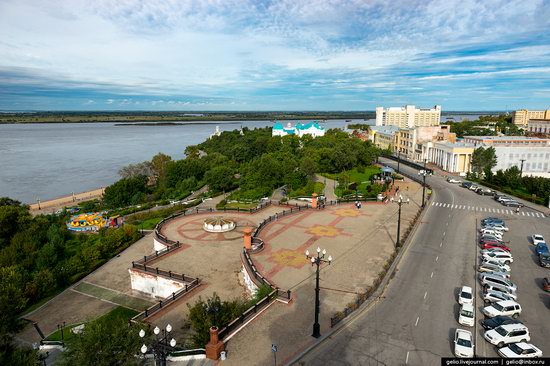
45, 161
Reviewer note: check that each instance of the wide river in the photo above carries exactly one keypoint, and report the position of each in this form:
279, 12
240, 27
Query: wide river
45, 161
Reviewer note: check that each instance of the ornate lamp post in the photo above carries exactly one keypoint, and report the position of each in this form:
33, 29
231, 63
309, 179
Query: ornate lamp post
423, 174
160, 346
400, 201
317, 260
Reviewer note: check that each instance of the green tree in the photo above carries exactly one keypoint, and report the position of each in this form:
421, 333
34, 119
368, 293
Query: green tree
220, 178
158, 164
104, 342
483, 159
125, 191
12, 298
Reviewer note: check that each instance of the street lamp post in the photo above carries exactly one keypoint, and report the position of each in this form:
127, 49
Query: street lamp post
521, 169
317, 260
398, 159
424, 173
160, 346
400, 201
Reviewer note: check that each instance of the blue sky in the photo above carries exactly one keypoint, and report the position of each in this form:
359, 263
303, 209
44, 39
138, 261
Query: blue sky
274, 55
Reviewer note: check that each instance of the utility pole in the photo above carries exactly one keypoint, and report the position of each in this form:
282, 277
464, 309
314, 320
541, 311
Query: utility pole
521, 169
398, 159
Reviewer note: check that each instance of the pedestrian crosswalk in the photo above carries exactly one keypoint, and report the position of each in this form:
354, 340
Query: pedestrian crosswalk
502, 211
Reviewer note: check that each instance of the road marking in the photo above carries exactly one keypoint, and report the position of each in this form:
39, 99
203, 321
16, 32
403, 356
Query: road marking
508, 212
444, 233
447, 224
440, 244
469, 207
407, 359
433, 203
432, 275
522, 213
417, 319
436, 258
425, 294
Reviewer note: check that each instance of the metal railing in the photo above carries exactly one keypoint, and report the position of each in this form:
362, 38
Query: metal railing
167, 274
247, 314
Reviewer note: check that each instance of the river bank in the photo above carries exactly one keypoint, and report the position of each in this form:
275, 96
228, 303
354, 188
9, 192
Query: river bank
51, 206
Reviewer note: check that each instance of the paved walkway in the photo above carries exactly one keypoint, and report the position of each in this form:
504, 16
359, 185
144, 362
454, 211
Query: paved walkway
360, 242
329, 187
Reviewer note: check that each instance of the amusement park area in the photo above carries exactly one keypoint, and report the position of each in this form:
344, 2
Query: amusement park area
93, 221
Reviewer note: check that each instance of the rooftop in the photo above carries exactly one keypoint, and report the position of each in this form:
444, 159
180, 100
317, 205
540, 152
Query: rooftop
506, 138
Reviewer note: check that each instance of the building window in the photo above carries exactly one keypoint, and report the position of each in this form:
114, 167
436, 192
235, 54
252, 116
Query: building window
540, 166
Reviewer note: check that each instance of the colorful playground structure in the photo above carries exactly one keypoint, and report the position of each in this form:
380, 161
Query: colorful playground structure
93, 221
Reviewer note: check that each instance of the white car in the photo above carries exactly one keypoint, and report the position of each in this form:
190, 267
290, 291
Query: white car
487, 232
505, 308
452, 180
489, 267
506, 334
520, 350
498, 227
495, 262
503, 257
537, 238
491, 280
492, 250
502, 289
503, 274
466, 315
465, 296
496, 296
464, 345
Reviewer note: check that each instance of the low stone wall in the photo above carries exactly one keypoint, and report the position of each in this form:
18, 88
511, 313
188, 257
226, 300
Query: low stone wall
154, 285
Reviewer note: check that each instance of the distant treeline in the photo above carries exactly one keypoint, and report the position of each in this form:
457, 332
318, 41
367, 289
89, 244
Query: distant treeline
76, 117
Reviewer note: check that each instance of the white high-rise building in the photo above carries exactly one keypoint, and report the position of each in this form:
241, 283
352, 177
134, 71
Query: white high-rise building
408, 116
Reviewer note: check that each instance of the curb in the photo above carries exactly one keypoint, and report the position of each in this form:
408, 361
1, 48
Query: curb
372, 298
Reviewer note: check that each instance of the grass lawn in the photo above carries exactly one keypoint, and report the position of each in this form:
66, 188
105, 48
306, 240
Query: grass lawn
113, 296
362, 179
115, 313
308, 190
149, 224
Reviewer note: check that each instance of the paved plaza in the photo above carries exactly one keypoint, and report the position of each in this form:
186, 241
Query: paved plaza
359, 240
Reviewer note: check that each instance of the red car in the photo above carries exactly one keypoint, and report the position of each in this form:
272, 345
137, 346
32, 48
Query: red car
494, 244
546, 284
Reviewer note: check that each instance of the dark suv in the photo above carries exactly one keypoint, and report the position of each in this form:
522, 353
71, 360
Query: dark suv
544, 259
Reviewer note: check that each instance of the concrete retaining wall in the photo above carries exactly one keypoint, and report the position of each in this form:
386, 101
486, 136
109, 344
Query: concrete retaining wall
153, 285
157, 245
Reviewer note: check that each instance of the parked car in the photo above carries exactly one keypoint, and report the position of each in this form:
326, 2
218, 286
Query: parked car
502, 274
495, 263
465, 296
502, 197
496, 226
520, 350
464, 345
492, 250
506, 308
499, 281
466, 184
490, 232
537, 238
495, 296
485, 191
506, 334
512, 204
502, 257
466, 315
453, 180
473, 187
500, 288
489, 268
546, 284
486, 237
497, 321
494, 244
541, 248
544, 260
492, 219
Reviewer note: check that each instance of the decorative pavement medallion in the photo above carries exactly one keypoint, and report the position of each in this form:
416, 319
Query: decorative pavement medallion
324, 230
288, 257
347, 212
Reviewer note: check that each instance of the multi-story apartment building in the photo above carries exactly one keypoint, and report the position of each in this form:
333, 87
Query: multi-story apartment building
521, 117
408, 116
512, 150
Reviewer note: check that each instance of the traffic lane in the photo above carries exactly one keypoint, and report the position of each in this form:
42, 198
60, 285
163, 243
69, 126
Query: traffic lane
456, 269
384, 332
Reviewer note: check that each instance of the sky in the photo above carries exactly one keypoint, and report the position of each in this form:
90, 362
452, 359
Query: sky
213, 55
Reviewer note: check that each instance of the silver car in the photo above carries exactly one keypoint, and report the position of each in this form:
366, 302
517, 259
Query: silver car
489, 280
495, 296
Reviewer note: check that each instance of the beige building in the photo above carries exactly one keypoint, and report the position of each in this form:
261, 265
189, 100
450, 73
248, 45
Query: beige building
383, 136
521, 117
408, 116
539, 126
452, 157
415, 143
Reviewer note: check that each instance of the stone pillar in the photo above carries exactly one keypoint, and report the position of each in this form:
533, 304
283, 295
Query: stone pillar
247, 238
314, 200
215, 346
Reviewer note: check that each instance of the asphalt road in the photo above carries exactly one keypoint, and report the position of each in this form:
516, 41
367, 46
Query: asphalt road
415, 321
